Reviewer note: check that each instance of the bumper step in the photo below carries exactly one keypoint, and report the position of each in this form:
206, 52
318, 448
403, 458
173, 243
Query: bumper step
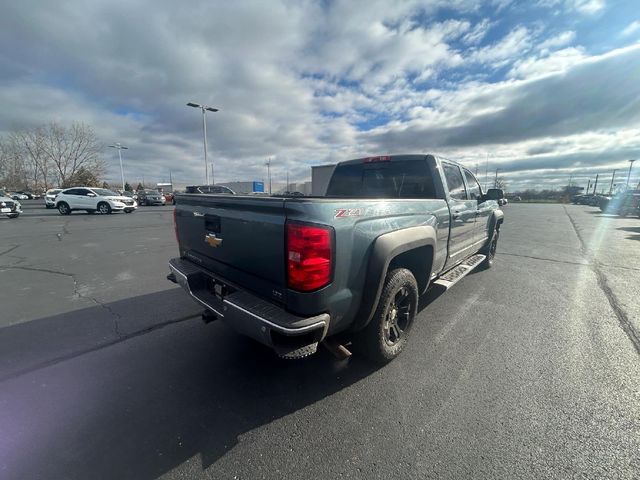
297, 353
457, 273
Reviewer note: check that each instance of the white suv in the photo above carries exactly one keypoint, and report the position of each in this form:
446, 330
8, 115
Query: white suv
93, 200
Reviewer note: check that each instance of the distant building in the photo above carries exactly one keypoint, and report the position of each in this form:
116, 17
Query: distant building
320, 176
302, 187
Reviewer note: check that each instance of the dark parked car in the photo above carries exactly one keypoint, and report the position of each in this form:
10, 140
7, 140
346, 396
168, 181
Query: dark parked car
150, 197
292, 271
30, 196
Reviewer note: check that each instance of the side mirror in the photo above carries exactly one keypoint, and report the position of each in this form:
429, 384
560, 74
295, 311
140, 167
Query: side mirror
494, 194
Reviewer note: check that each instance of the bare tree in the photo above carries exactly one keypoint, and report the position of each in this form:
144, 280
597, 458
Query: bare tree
70, 149
13, 171
501, 183
50, 155
30, 145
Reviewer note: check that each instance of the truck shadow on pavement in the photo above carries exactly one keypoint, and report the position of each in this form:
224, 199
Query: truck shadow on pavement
169, 394
97, 406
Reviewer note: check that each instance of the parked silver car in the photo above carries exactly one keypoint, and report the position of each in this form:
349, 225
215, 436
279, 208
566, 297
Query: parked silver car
8, 206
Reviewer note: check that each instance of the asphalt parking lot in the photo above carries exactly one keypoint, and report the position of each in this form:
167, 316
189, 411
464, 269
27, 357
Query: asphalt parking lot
528, 370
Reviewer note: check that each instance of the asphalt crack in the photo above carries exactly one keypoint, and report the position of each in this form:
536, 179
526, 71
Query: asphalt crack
9, 250
553, 260
76, 291
601, 278
65, 231
123, 338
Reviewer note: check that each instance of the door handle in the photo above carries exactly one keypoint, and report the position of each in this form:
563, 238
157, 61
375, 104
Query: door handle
456, 215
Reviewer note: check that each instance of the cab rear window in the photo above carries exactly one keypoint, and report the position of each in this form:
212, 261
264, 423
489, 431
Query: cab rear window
384, 179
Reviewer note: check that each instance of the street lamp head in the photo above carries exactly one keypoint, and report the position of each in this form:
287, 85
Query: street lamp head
195, 105
211, 109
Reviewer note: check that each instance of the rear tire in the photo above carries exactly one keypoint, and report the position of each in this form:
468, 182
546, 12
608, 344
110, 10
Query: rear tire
64, 209
386, 335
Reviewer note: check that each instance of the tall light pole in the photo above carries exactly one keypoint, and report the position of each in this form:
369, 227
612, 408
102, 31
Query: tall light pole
613, 176
120, 147
268, 164
486, 171
629, 174
495, 183
205, 109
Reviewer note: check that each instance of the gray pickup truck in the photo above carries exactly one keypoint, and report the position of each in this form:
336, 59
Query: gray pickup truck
291, 272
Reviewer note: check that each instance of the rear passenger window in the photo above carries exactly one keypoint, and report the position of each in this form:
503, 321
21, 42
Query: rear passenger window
453, 176
474, 187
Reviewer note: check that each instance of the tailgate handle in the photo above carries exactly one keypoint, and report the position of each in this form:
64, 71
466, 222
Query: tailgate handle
212, 223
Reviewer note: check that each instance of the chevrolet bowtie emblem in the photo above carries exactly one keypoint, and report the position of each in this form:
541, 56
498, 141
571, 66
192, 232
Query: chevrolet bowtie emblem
212, 240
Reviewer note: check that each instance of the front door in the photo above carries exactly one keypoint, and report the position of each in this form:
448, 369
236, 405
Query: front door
84, 200
462, 214
483, 212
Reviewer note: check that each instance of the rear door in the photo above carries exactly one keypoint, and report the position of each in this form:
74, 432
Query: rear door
74, 198
463, 213
483, 209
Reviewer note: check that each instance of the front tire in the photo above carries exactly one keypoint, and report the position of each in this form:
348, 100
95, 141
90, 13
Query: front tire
104, 208
490, 250
14, 215
386, 335
64, 208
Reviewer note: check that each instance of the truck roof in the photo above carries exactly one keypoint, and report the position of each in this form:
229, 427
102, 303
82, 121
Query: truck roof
403, 157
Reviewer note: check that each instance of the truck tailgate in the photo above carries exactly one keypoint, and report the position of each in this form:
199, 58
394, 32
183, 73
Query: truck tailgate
244, 233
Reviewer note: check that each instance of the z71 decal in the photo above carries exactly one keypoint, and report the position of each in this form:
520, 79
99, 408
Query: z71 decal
348, 212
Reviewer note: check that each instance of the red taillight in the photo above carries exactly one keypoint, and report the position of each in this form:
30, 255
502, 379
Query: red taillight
309, 251
175, 226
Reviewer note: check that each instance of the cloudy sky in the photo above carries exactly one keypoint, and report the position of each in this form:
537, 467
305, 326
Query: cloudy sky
544, 89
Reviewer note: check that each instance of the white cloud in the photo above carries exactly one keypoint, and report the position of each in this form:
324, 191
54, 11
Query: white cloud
514, 44
477, 33
585, 7
630, 29
557, 62
559, 40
